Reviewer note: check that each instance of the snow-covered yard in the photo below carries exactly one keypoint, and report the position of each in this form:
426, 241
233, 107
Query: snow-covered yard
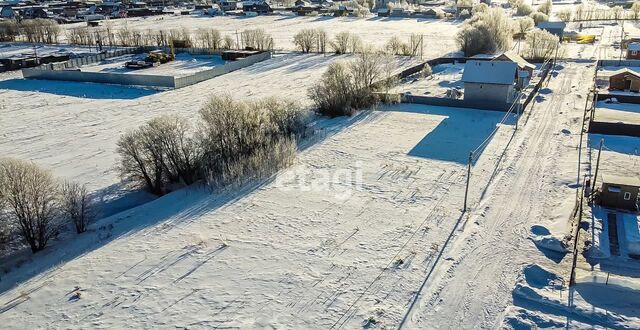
445, 77
184, 64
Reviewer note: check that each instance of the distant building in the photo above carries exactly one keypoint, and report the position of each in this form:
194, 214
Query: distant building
260, 7
625, 80
489, 81
633, 51
620, 192
555, 28
7, 12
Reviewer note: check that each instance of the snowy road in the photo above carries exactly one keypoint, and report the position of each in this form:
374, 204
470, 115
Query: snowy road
474, 288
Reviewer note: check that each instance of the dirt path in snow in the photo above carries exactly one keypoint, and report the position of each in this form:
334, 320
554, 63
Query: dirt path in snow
474, 288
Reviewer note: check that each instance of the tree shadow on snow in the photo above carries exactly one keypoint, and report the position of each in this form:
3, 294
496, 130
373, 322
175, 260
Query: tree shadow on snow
78, 89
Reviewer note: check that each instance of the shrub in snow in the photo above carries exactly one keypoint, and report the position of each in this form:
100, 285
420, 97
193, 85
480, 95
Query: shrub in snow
30, 196
159, 154
565, 15
77, 205
485, 32
349, 86
243, 140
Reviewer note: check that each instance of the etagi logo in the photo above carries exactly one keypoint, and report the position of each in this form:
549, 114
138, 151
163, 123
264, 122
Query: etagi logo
342, 183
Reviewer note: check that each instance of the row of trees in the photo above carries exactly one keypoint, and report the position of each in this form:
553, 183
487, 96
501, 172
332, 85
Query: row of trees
37, 204
588, 12
202, 37
231, 142
32, 30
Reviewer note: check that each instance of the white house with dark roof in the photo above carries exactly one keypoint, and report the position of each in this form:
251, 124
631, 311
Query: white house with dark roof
490, 81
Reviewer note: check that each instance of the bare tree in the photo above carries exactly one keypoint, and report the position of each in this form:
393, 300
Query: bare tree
77, 205
31, 196
257, 39
341, 42
159, 154
141, 161
305, 40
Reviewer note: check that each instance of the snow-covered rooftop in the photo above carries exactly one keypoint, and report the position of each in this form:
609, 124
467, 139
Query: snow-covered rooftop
489, 72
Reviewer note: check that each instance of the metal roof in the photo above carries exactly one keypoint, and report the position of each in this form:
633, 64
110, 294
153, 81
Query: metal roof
513, 57
552, 25
620, 180
489, 72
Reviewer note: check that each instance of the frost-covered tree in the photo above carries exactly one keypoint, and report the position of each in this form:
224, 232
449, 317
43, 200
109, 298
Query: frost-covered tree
635, 9
485, 32
539, 17
31, 197
545, 7
541, 44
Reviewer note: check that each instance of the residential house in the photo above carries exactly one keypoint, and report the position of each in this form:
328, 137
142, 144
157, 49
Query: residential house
260, 7
633, 51
620, 192
491, 82
525, 69
625, 80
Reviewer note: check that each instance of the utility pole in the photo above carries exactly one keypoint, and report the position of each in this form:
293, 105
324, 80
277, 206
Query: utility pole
621, 41
35, 53
466, 190
595, 177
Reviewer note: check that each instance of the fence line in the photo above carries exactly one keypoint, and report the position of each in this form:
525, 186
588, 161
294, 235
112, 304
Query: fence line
163, 81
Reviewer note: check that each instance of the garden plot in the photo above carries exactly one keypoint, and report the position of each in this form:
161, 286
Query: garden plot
374, 31
345, 235
445, 77
184, 64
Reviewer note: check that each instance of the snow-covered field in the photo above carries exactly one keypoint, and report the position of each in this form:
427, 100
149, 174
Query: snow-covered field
374, 31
